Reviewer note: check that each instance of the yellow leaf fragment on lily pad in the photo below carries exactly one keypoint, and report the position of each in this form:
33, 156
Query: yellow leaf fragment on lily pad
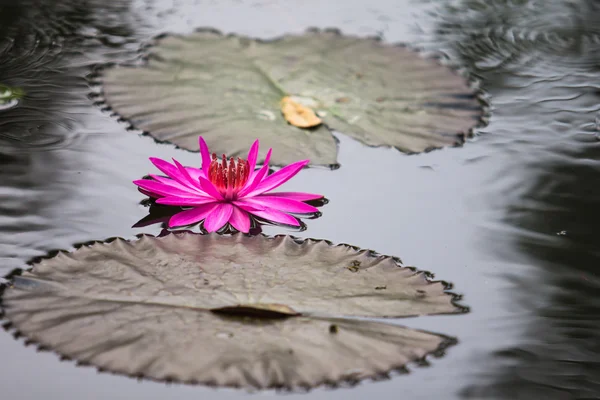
299, 115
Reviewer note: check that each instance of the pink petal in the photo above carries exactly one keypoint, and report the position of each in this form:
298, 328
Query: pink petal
149, 194
240, 220
164, 166
209, 188
184, 201
297, 196
269, 214
253, 155
277, 216
161, 188
248, 207
192, 216
205, 154
282, 204
218, 217
195, 173
179, 176
256, 178
186, 175
170, 182
278, 178
171, 171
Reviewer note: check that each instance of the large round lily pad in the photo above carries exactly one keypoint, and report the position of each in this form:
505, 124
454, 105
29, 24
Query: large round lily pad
231, 90
227, 310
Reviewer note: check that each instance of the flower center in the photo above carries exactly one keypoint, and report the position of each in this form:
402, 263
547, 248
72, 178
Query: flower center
228, 176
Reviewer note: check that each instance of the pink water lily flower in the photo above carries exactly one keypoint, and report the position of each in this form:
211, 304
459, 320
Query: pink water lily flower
227, 191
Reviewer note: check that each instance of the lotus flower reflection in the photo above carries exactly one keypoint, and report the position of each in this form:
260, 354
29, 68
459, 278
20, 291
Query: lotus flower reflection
227, 191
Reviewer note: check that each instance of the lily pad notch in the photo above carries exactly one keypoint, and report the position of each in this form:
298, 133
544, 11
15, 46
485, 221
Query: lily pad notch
233, 89
251, 312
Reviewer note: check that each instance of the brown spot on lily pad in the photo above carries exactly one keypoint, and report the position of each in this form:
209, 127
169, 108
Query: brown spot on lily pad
354, 266
342, 100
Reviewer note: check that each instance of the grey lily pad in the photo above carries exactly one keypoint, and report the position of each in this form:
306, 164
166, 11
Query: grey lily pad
229, 89
253, 312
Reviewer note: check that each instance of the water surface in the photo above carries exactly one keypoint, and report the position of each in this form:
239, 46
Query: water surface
510, 218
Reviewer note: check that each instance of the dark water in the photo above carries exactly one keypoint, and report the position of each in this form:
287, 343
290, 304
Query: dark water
511, 218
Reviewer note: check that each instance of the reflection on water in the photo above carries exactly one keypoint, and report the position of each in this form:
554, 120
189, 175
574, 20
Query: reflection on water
45, 55
160, 214
509, 218
541, 60
558, 356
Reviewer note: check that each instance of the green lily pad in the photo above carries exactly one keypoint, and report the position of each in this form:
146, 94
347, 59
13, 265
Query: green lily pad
9, 97
240, 311
229, 90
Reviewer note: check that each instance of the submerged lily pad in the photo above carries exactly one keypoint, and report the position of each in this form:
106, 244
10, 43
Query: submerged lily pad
229, 89
9, 97
227, 310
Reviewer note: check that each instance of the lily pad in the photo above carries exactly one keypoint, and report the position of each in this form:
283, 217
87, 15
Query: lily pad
9, 97
254, 312
229, 89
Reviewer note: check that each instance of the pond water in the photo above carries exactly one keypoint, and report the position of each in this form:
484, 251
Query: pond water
510, 218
